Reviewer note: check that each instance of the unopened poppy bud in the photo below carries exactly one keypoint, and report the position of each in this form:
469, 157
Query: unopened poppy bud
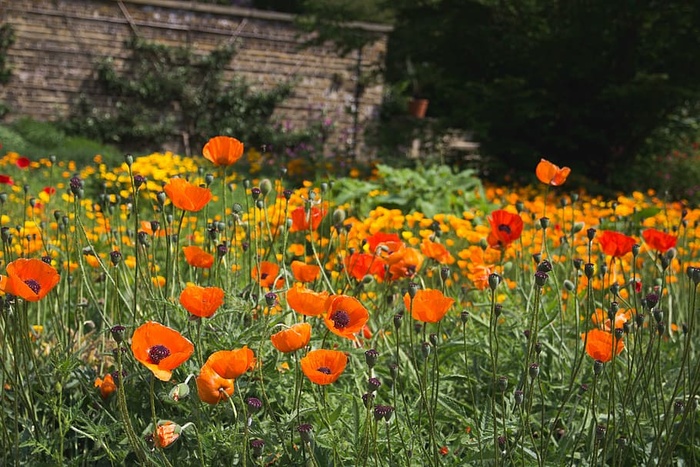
678, 407
32, 202
614, 308
578, 226
246, 183
167, 432
661, 328
129, 159
179, 392
502, 383
639, 319
597, 367
412, 289
138, 181
658, 314
627, 327
544, 222
265, 186
161, 197
371, 358
619, 332
394, 371
568, 285
494, 280
603, 269
287, 193
255, 192
537, 257
464, 316
519, 206
589, 270
563, 202
425, 349
433, 339
368, 399
143, 238
497, 309
339, 216
615, 289
621, 442
534, 370
260, 204
578, 262
270, 298
652, 300
671, 253
324, 187
538, 347
665, 262
208, 179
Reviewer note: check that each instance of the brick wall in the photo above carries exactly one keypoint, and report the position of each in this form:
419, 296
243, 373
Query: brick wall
58, 43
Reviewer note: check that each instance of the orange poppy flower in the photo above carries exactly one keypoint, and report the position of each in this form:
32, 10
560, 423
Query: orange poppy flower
436, 251
187, 196
223, 150
381, 237
167, 432
197, 257
506, 227
202, 301
305, 272
306, 301
616, 244
345, 316
293, 338
659, 241
361, 264
160, 349
30, 279
600, 344
600, 319
429, 305
212, 388
323, 366
551, 174
405, 263
266, 274
230, 364
303, 221
107, 386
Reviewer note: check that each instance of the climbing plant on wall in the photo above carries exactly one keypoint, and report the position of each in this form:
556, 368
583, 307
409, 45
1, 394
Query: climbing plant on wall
163, 92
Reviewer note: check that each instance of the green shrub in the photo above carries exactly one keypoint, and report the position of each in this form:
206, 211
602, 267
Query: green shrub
40, 134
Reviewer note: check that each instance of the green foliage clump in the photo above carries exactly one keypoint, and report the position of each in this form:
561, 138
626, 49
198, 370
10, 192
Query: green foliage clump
169, 92
430, 190
7, 38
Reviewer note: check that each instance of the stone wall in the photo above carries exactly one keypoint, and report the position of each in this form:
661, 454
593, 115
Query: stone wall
58, 43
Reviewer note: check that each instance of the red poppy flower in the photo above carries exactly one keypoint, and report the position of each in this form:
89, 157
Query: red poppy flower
160, 349
429, 305
323, 367
293, 338
30, 279
197, 257
49, 190
436, 251
305, 272
345, 316
303, 221
266, 274
551, 174
659, 241
506, 227
186, 196
202, 301
306, 301
616, 244
361, 264
6, 180
106, 386
212, 388
600, 345
23, 162
223, 150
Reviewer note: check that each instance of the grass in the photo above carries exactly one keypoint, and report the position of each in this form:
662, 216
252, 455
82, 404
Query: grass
458, 350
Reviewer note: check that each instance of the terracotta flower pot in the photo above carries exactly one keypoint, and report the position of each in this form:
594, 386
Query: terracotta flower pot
418, 107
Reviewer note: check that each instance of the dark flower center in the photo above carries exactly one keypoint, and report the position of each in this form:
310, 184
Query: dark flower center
340, 319
34, 285
504, 228
158, 353
264, 275
325, 370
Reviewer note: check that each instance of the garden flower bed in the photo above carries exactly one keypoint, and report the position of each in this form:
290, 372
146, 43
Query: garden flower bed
171, 311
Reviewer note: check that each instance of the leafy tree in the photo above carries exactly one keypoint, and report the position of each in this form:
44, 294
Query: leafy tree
7, 38
583, 83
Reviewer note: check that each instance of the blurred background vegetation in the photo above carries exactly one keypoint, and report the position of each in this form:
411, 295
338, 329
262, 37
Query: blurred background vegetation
611, 89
